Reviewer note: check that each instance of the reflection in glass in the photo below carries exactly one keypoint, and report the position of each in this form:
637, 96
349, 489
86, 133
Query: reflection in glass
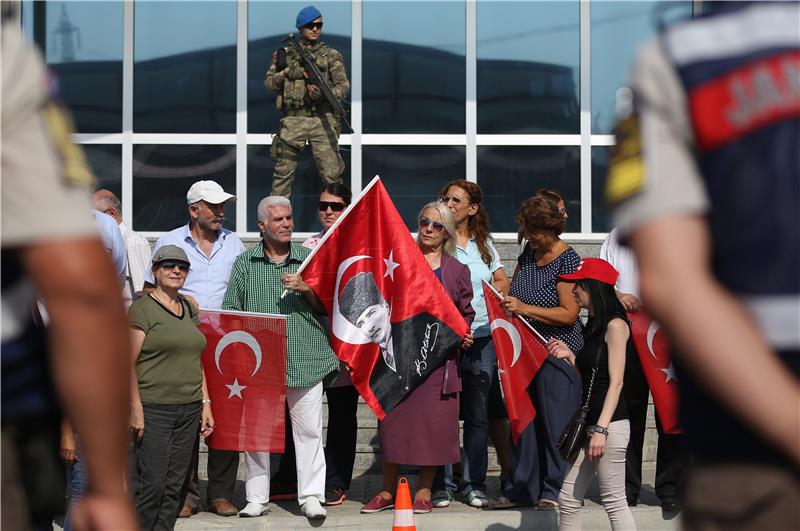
508, 175
106, 164
618, 28
184, 67
268, 23
162, 174
305, 188
87, 58
414, 67
528, 71
601, 214
413, 175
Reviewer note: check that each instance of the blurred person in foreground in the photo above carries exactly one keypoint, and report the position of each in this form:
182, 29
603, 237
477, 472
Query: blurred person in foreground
422, 430
706, 163
482, 406
65, 264
137, 248
211, 250
169, 397
608, 341
259, 277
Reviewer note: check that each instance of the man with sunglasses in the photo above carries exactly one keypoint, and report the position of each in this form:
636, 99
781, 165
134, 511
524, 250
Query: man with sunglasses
307, 115
211, 249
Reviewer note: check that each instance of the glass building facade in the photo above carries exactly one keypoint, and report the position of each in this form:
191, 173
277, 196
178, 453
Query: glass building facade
514, 95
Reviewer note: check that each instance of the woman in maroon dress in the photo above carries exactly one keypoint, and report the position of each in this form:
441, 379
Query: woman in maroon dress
422, 430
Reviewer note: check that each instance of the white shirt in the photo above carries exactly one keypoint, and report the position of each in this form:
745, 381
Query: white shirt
138, 249
624, 261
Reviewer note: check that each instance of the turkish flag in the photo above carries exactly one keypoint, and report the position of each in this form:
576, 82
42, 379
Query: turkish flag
392, 322
245, 367
656, 361
520, 353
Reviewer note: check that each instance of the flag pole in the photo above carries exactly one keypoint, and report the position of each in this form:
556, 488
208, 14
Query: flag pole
333, 227
532, 329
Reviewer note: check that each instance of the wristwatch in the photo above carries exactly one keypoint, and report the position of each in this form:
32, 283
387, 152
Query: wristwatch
594, 428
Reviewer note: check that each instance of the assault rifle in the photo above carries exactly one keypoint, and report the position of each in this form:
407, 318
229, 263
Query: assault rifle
316, 78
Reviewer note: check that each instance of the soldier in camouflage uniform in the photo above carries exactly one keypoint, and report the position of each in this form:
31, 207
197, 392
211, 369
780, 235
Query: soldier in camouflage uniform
307, 115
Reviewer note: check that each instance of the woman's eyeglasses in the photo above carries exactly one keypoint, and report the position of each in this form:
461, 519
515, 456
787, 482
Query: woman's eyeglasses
172, 265
333, 205
313, 25
435, 226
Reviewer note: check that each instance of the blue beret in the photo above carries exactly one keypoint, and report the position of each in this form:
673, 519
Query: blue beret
306, 15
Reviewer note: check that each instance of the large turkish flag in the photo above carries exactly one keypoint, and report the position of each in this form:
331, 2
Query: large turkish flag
392, 322
520, 354
245, 367
656, 361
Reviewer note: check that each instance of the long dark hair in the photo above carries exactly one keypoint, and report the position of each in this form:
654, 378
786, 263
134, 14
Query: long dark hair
605, 305
477, 225
339, 190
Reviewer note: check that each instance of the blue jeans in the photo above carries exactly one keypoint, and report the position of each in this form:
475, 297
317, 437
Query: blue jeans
77, 486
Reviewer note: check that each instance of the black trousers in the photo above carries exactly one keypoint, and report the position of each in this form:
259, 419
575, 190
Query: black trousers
223, 466
340, 447
163, 456
672, 459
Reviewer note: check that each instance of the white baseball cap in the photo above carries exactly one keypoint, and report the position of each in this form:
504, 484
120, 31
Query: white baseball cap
208, 191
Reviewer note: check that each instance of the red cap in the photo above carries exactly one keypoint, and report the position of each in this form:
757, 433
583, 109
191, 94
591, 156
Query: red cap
594, 268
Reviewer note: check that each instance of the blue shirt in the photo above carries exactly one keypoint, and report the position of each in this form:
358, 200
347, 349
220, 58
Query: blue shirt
113, 242
208, 276
470, 256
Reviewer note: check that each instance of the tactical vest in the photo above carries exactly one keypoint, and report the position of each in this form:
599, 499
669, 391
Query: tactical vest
740, 69
294, 100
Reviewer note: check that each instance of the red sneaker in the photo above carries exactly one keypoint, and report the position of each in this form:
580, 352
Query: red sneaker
335, 496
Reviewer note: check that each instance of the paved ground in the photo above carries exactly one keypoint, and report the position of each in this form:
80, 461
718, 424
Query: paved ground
286, 515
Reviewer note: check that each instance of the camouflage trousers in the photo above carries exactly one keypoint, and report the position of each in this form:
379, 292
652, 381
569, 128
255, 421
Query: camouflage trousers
322, 133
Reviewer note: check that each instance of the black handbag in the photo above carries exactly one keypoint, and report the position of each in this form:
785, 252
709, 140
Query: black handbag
571, 440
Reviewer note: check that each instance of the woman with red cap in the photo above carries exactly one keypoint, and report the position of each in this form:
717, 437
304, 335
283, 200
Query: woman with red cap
601, 363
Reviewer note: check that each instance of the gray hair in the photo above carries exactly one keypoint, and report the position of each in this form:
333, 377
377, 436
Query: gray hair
272, 201
448, 222
104, 199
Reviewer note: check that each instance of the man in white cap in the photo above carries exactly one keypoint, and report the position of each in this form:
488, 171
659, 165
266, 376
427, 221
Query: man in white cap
212, 250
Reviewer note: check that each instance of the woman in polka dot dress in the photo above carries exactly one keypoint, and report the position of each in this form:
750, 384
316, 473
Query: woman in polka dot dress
537, 470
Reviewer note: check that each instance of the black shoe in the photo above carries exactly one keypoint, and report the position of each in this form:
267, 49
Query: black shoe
670, 506
334, 496
632, 502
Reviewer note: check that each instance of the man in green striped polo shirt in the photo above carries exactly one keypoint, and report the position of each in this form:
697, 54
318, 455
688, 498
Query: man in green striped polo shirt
258, 278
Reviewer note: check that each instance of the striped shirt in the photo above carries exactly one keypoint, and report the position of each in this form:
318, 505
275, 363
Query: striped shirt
255, 286
138, 249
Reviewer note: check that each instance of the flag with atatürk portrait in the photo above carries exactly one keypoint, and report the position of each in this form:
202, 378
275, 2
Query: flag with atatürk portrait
245, 367
520, 353
392, 322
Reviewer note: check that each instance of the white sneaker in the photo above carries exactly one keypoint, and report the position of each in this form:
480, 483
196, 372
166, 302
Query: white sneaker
313, 509
253, 509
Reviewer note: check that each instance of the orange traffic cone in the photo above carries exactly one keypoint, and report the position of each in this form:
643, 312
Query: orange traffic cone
403, 510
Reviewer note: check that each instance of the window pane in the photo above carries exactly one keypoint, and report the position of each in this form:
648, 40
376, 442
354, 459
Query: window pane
106, 163
508, 175
87, 58
601, 215
618, 28
268, 23
305, 189
413, 175
414, 67
184, 67
528, 69
162, 174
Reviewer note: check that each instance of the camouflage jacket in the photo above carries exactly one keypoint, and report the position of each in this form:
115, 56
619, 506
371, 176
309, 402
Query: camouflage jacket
292, 93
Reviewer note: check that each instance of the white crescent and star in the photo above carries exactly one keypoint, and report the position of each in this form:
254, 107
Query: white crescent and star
670, 372
391, 265
513, 333
237, 336
651, 334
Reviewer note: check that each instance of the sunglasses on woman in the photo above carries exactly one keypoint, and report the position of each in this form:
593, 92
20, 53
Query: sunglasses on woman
435, 226
333, 205
172, 265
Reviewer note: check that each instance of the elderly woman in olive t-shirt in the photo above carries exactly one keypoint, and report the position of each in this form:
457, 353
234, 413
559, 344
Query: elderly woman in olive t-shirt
169, 398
